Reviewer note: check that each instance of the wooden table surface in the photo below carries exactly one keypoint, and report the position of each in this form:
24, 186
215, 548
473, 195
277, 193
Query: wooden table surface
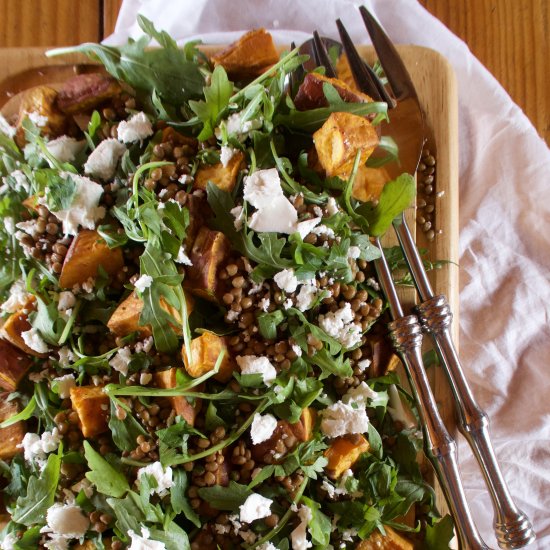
510, 37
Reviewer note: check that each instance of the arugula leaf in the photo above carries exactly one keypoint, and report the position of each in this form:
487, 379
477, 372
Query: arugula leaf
268, 323
225, 498
124, 432
128, 512
105, 477
439, 535
40, 495
172, 535
178, 497
25, 414
61, 192
319, 525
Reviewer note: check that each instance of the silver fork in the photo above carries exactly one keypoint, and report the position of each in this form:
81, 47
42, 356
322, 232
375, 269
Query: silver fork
406, 336
512, 527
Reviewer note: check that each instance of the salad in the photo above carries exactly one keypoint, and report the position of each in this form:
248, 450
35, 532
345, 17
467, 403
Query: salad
193, 349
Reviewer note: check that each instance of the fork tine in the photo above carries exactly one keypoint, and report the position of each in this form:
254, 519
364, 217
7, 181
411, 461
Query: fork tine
394, 68
364, 76
321, 55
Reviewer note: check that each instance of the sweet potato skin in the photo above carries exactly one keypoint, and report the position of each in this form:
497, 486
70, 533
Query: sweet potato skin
344, 452
224, 177
13, 366
92, 406
13, 435
392, 541
167, 379
83, 92
204, 353
87, 252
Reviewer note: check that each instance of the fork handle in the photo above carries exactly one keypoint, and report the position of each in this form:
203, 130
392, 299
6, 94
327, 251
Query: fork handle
512, 527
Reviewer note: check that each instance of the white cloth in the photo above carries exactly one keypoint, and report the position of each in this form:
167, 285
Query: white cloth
504, 225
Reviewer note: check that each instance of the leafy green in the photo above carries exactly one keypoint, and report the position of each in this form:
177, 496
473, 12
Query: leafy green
319, 525
225, 498
25, 414
124, 432
105, 477
178, 497
439, 535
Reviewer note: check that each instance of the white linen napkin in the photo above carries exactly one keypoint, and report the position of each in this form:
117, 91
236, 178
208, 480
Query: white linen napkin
504, 224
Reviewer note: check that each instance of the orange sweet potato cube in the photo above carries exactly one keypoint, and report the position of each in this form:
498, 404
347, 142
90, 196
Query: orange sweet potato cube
204, 354
391, 541
13, 366
304, 427
209, 251
92, 406
167, 379
249, 56
224, 177
343, 452
340, 138
87, 252
13, 435
15, 325
369, 183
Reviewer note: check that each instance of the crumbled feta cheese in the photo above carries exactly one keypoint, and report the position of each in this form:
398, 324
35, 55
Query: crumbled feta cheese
264, 304
234, 125
226, 154
220, 529
145, 378
9, 224
182, 257
255, 507
339, 324
255, 288
144, 346
137, 128
144, 542
359, 395
354, 252
306, 297
103, 160
238, 214
275, 213
323, 230
17, 299
143, 282
372, 282
332, 206
318, 211
64, 385
297, 350
20, 179
36, 447
234, 519
363, 365
348, 534
252, 364
266, 546
34, 341
30, 228
66, 300
232, 315
83, 485
38, 119
299, 535
66, 356
287, 304
286, 280
84, 210
248, 536
397, 410
262, 427
64, 522
163, 477
305, 227
6, 128
65, 148
342, 419
11, 539
121, 360
88, 285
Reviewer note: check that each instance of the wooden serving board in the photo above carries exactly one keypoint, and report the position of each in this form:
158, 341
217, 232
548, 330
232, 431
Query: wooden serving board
433, 77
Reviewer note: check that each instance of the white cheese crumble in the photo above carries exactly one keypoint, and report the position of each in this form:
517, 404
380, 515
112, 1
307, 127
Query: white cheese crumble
6, 128
137, 128
306, 297
397, 409
145, 378
121, 360
359, 395
34, 341
64, 522
66, 356
144, 542
262, 427
17, 298
299, 535
84, 210
64, 385
65, 148
354, 252
323, 230
83, 485
286, 280
29, 227
297, 350
252, 364
103, 160
266, 546
363, 365
234, 125
145, 345
36, 447
67, 300
21, 181
341, 419
232, 315
287, 304
226, 154
275, 213
182, 257
238, 214
143, 282
264, 304
332, 206
38, 119
372, 282
163, 477
339, 324
255, 507
305, 227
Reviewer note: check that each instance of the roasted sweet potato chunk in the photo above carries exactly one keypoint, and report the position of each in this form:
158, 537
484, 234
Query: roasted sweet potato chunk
340, 138
169, 135
344, 452
310, 95
204, 354
15, 325
125, 318
13, 366
83, 92
13, 435
92, 406
39, 104
249, 56
87, 252
391, 541
368, 183
167, 379
209, 251
304, 427
224, 177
